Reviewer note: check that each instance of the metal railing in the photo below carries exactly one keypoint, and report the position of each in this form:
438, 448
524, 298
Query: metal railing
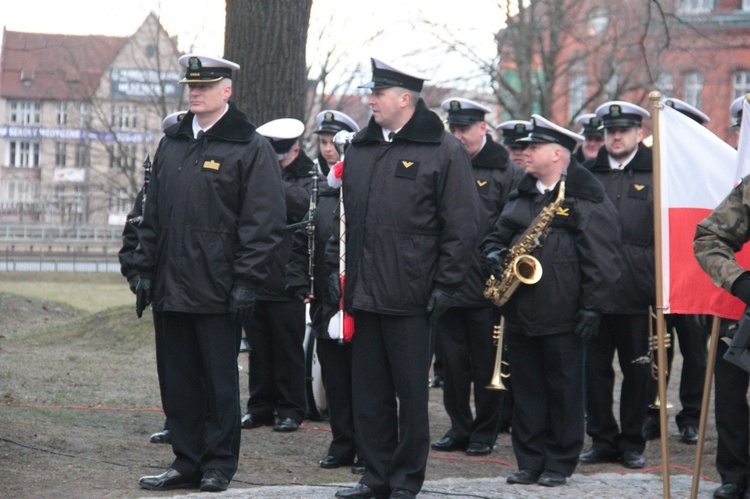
12, 260
60, 233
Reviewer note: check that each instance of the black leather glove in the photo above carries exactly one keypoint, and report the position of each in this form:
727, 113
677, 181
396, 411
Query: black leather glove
587, 323
242, 301
438, 303
741, 287
334, 290
142, 295
493, 262
300, 293
133, 283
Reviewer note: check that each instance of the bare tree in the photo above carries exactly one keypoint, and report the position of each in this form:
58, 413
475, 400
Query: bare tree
267, 38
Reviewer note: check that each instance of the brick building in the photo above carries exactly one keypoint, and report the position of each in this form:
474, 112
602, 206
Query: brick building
694, 50
77, 116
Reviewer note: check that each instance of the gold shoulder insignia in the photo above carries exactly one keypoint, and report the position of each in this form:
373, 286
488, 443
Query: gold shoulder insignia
481, 183
639, 187
211, 165
562, 212
407, 164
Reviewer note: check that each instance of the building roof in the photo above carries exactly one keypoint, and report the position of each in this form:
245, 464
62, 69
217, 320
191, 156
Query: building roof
54, 67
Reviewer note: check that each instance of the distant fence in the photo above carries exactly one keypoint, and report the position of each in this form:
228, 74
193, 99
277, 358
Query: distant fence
59, 261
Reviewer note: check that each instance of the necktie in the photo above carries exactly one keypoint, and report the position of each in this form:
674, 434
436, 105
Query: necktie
200, 135
390, 136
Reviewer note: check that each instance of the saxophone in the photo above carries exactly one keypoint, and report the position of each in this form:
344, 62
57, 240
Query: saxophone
519, 266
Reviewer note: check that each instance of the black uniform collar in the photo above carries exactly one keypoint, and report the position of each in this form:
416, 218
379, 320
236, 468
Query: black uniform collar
642, 161
580, 183
492, 155
300, 167
425, 126
234, 126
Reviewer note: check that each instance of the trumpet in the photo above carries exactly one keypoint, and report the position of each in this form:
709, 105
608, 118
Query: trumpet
496, 383
650, 357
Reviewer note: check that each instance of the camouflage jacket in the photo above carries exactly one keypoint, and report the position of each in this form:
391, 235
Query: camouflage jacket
723, 233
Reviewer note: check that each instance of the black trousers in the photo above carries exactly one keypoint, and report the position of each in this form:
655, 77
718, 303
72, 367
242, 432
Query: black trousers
466, 346
390, 365
547, 374
732, 420
159, 350
276, 332
202, 391
628, 335
336, 369
693, 332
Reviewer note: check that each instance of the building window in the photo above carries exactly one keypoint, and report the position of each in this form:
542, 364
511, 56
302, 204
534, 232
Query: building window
25, 113
695, 6
123, 157
83, 155
694, 89
84, 115
740, 83
745, 4
124, 117
20, 191
576, 94
62, 113
60, 150
664, 84
119, 201
23, 154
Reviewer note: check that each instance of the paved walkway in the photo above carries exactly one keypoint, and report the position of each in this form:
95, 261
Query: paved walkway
600, 486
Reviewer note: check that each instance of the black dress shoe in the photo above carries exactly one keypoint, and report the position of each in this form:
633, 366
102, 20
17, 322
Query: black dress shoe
169, 480
598, 455
437, 381
689, 435
286, 425
632, 459
402, 494
551, 479
330, 462
359, 491
214, 481
651, 428
728, 491
161, 437
448, 444
523, 477
249, 421
359, 468
478, 449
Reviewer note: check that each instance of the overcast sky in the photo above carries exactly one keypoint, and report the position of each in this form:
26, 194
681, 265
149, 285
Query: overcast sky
199, 24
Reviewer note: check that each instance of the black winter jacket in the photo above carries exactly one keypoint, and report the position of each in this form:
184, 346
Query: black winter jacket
631, 191
412, 215
579, 256
214, 214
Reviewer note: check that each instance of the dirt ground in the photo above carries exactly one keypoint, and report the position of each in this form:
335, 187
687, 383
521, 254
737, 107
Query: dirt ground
79, 399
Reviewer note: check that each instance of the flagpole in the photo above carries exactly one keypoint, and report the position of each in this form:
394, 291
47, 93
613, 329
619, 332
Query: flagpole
710, 366
656, 105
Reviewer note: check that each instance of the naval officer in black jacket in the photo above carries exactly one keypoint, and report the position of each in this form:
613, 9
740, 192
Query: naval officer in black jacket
464, 332
412, 215
547, 323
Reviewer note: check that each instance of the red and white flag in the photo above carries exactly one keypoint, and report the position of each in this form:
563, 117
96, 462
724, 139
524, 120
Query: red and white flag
698, 170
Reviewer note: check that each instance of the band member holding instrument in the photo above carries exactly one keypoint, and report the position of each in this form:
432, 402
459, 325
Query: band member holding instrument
546, 323
464, 333
624, 167
335, 355
125, 256
276, 330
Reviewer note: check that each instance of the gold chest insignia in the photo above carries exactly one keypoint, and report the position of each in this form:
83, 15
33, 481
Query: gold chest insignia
562, 212
481, 183
407, 164
639, 187
211, 165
